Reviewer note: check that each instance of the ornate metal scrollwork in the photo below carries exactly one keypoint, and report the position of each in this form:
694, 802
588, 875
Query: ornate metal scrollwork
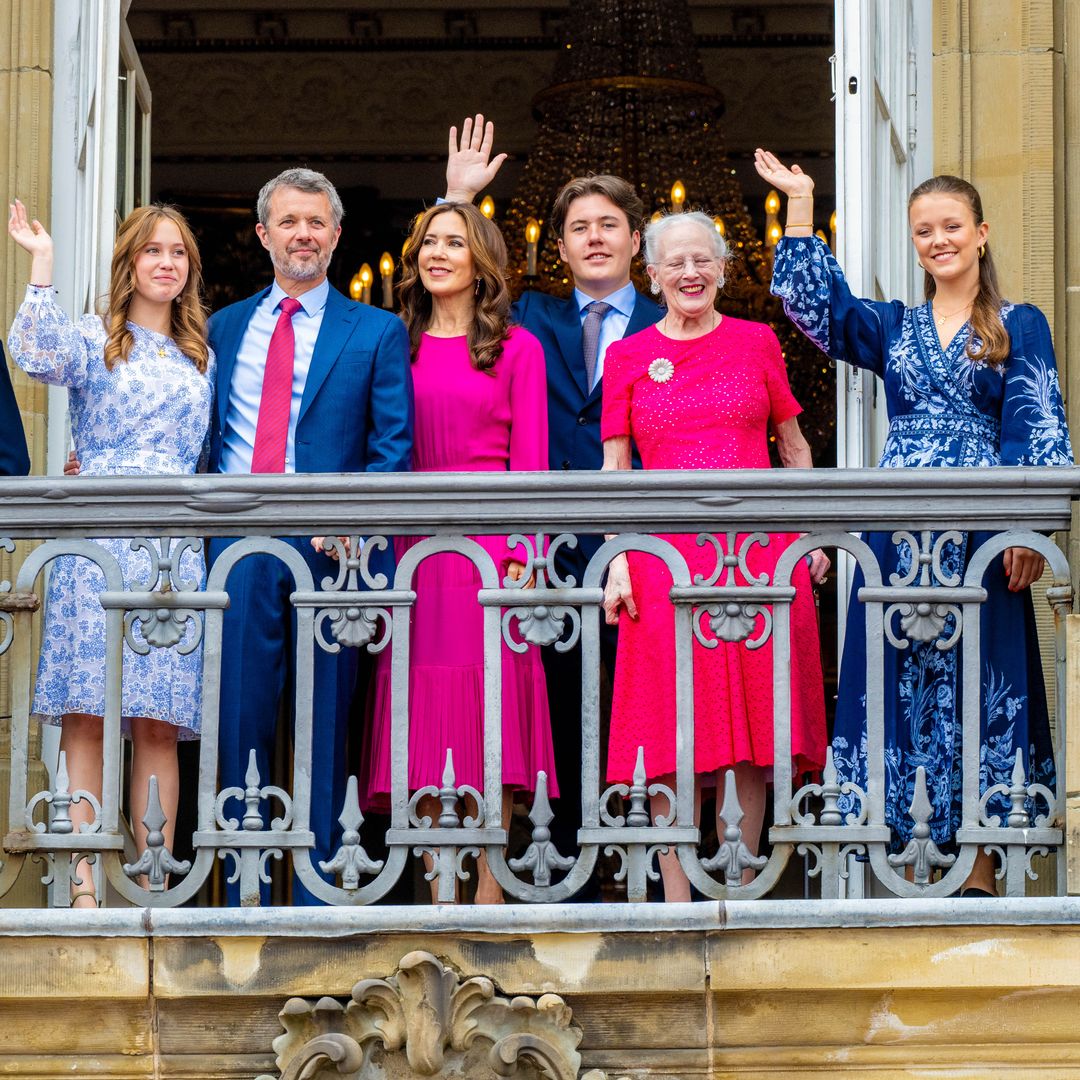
442, 1025
60, 800
541, 856
164, 626
830, 790
540, 623
448, 860
1018, 792
730, 561
353, 625
156, 861
733, 856
921, 853
351, 860
6, 620
923, 620
733, 622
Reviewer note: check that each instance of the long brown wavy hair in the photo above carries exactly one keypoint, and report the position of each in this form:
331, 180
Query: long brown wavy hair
491, 315
986, 324
189, 316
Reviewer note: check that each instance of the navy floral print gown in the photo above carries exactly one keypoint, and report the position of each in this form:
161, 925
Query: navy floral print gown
945, 410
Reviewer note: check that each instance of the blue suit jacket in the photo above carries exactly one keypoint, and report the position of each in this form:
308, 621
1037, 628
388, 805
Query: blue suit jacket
573, 411
356, 414
14, 460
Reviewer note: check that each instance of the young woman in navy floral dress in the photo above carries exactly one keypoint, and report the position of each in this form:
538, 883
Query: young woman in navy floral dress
139, 382
970, 380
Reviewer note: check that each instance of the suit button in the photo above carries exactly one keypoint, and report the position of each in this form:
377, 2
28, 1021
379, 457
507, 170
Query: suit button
582, 421
566, 464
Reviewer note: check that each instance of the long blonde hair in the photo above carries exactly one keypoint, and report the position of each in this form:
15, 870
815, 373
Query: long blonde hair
491, 320
986, 322
189, 316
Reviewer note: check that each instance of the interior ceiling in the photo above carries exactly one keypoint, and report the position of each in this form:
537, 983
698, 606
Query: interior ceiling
243, 88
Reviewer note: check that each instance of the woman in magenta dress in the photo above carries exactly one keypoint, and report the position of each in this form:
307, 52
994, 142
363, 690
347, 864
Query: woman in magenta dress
700, 391
481, 405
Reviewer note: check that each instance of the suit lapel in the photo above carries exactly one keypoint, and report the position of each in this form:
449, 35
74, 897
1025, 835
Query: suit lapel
567, 325
228, 345
643, 316
339, 318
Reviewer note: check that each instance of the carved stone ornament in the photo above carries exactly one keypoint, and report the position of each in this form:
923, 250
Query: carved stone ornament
425, 1020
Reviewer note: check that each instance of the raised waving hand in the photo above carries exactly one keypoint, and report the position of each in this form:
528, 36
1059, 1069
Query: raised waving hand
32, 237
776, 174
469, 165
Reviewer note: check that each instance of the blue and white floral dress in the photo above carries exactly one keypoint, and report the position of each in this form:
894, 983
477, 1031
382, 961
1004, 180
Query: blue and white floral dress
150, 415
944, 410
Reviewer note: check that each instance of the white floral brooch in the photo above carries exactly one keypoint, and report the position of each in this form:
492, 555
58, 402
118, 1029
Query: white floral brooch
661, 369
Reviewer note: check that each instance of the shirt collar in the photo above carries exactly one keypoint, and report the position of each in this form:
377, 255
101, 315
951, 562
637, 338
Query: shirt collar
622, 300
313, 301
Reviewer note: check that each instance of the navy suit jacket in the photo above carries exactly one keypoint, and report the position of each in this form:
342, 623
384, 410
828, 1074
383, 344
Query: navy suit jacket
14, 460
356, 414
573, 410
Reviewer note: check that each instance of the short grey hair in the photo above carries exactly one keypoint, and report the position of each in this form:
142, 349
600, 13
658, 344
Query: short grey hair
656, 230
308, 180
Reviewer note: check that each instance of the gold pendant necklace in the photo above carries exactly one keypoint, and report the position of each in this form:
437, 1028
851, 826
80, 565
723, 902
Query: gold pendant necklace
942, 319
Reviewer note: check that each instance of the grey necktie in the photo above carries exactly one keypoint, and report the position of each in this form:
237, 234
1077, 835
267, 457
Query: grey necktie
590, 338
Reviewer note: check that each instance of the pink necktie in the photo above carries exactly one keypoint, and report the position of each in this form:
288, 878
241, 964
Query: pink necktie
272, 429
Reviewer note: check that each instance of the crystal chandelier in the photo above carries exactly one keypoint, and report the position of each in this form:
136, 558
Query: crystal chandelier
629, 97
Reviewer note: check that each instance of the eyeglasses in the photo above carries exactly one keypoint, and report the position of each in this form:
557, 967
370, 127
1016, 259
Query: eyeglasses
701, 263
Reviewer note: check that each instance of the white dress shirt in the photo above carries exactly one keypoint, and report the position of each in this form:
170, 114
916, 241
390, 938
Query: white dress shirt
245, 387
613, 328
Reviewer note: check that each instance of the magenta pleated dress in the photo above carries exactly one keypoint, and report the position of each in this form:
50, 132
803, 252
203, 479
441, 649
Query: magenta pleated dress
723, 392
466, 420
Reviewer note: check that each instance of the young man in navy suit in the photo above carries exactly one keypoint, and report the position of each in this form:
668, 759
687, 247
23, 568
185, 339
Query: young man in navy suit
343, 404
14, 460
597, 220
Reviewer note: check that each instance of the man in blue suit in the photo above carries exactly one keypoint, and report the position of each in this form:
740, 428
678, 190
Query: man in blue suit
14, 460
307, 381
597, 220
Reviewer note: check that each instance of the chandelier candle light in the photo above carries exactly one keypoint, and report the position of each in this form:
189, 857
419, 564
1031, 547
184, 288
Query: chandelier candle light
532, 243
366, 278
487, 207
386, 272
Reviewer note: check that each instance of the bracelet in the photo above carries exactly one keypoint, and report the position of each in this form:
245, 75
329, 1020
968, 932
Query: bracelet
799, 225
33, 286
791, 198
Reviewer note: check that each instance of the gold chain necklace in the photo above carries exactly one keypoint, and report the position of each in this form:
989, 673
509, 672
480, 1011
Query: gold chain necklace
942, 319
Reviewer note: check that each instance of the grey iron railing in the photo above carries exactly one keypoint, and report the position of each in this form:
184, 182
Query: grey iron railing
360, 609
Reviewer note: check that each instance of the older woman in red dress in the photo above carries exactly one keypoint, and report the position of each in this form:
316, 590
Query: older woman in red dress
701, 390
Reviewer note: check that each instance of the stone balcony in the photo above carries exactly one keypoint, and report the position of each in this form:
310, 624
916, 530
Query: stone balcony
821, 965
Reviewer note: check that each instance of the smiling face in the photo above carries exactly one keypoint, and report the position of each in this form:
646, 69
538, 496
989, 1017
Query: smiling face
445, 260
598, 245
687, 269
160, 269
300, 236
946, 237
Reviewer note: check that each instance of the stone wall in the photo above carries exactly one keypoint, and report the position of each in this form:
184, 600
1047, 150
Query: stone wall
26, 85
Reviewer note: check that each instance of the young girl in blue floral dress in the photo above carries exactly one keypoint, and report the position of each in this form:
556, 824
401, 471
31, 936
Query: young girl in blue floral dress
139, 382
970, 380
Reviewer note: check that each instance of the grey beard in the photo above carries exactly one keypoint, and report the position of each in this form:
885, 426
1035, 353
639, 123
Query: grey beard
298, 271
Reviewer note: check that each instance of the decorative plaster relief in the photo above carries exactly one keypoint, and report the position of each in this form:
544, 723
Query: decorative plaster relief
425, 1020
